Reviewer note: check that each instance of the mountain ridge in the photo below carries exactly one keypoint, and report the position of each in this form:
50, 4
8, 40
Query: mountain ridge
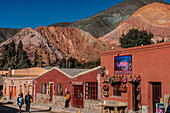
154, 18
105, 21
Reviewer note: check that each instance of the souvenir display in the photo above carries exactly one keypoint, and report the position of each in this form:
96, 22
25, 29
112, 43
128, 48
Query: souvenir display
135, 78
115, 78
138, 88
106, 87
112, 80
106, 79
123, 87
131, 78
105, 93
124, 79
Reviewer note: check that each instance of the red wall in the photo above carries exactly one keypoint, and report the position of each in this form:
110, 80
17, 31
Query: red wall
82, 79
57, 77
52, 76
151, 62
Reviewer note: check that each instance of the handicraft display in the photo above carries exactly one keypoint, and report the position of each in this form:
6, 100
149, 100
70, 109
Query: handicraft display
137, 79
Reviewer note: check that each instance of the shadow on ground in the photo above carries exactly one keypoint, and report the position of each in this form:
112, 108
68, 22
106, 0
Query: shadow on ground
6, 109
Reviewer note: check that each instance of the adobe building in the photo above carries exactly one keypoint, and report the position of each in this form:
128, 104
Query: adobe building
137, 77
2, 74
83, 85
20, 80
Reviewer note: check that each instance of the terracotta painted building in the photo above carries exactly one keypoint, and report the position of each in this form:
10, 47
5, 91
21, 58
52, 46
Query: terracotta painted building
137, 77
20, 80
2, 74
83, 85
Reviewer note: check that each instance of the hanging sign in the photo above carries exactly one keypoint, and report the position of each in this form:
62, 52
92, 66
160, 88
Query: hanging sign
123, 65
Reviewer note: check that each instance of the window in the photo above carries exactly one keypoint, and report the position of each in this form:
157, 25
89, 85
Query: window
116, 91
43, 88
92, 90
60, 89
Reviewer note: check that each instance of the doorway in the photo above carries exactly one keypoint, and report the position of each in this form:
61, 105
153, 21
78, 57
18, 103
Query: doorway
78, 96
51, 91
10, 92
156, 95
14, 91
134, 96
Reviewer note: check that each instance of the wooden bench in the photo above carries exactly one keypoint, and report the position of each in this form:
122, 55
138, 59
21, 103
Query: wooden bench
115, 108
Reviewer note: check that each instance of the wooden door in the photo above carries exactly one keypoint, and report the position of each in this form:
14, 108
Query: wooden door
51, 91
14, 91
156, 87
78, 96
134, 97
9, 90
20, 89
29, 89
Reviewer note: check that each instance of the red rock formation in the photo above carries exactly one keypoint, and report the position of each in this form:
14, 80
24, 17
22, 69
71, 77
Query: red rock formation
154, 18
33, 41
58, 42
73, 42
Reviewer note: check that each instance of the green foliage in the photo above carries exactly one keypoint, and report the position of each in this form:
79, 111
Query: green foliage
36, 57
161, 41
22, 58
135, 38
12, 59
74, 63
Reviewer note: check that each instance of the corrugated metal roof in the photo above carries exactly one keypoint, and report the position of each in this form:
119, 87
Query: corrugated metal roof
73, 72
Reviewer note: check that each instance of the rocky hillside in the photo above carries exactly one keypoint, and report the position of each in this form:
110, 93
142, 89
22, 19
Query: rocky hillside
6, 33
154, 18
73, 42
104, 22
58, 42
33, 41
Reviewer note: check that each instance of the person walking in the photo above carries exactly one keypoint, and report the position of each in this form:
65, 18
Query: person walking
28, 98
68, 97
20, 101
168, 108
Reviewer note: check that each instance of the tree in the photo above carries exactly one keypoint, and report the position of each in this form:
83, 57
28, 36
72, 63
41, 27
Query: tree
8, 56
135, 38
35, 59
22, 58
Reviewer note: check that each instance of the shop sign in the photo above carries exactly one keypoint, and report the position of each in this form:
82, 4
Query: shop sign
160, 107
123, 65
77, 83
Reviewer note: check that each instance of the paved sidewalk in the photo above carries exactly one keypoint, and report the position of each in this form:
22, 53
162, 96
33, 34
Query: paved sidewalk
52, 107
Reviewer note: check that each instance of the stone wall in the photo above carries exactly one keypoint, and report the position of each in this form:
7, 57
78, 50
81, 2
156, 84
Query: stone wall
92, 105
44, 98
112, 102
59, 101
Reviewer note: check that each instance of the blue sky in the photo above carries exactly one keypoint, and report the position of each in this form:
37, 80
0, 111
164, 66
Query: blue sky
33, 13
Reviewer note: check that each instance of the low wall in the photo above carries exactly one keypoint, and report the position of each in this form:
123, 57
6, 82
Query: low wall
59, 101
44, 98
92, 105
